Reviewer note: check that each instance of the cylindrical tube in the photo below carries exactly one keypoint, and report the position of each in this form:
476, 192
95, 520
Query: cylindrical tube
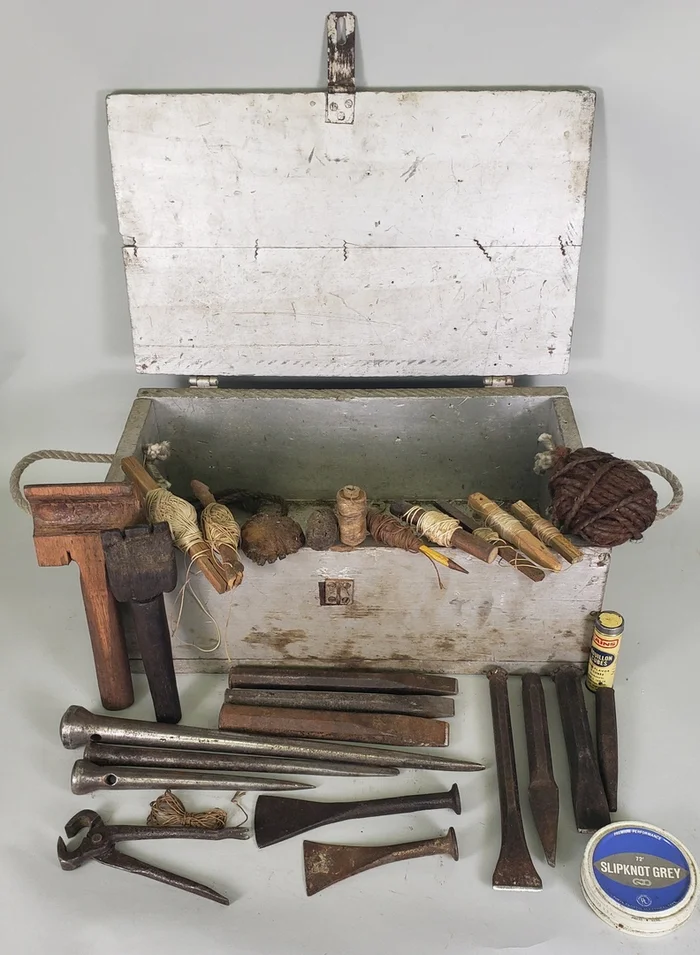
88, 778
79, 725
605, 646
106, 754
351, 511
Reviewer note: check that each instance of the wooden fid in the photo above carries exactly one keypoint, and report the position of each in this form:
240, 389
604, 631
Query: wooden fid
461, 539
335, 725
513, 531
199, 552
68, 521
546, 532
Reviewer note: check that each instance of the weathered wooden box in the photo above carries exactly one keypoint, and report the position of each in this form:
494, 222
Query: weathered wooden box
422, 238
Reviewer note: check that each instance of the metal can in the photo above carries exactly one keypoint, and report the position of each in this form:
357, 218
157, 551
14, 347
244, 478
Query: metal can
605, 646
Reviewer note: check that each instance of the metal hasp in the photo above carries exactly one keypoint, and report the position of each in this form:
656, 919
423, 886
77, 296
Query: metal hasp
277, 819
433, 707
340, 98
543, 792
317, 678
514, 869
606, 738
141, 567
89, 778
105, 754
325, 865
590, 803
79, 726
385, 728
100, 841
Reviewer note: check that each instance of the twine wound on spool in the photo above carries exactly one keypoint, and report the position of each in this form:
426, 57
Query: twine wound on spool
220, 528
603, 499
434, 525
167, 810
180, 516
351, 511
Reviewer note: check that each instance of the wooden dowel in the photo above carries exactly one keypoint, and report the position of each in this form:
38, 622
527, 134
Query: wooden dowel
337, 725
513, 531
460, 539
546, 532
199, 552
507, 553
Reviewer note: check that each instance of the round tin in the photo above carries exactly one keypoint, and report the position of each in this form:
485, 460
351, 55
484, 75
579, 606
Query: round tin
639, 878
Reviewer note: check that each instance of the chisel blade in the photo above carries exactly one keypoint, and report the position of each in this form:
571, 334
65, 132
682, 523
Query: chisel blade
606, 736
543, 792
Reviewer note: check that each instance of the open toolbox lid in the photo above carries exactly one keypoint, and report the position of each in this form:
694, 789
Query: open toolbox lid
335, 233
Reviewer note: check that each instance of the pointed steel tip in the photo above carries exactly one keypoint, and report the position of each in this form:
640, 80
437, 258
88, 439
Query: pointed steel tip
551, 856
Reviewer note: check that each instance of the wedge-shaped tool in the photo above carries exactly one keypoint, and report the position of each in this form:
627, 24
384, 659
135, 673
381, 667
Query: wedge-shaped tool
606, 737
107, 754
543, 791
100, 845
390, 728
141, 567
590, 802
277, 819
433, 707
89, 778
78, 726
317, 678
514, 869
325, 865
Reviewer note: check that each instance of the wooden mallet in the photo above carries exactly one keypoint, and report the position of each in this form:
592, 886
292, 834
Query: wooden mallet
141, 567
68, 520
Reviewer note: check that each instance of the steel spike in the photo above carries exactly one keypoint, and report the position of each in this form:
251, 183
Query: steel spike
543, 792
89, 778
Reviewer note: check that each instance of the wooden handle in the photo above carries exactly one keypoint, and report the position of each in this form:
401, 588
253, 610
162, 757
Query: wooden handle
546, 532
336, 725
153, 638
202, 493
462, 539
104, 625
513, 531
139, 476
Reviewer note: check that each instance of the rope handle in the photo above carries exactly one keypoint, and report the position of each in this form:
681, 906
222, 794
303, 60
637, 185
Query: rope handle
159, 451
544, 460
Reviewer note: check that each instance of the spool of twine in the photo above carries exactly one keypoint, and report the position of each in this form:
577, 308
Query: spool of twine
436, 526
391, 531
220, 527
351, 511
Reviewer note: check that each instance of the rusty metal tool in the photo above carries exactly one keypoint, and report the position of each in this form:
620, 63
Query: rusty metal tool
509, 554
606, 738
277, 819
543, 791
79, 725
86, 777
325, 865
388, 728
106, 754
100, 844
316, 678
590, 803
433, 707
68, 520
141, 567
514, 869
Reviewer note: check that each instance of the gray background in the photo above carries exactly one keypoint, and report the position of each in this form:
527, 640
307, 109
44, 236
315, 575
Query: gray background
67, 381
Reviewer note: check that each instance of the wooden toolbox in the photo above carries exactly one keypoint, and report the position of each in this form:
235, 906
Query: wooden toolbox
341, 258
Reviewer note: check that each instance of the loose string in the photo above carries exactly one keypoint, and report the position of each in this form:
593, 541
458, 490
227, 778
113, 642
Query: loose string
167, 810
434, 525
180, 600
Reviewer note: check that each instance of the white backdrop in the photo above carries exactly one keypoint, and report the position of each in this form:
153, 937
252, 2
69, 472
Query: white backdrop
67, 381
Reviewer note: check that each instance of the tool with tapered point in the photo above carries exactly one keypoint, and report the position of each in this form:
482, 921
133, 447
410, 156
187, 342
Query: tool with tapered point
590, 802
514, 869
79, 725
325, 865
424, 521
606, 738
322, 678
277, 819
106, 754
543, 792
140, 564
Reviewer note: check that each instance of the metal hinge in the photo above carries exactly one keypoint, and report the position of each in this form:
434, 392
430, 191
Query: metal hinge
204, 381
340, 98
499, 381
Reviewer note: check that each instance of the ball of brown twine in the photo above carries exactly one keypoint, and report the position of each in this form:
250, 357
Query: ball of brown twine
602, 499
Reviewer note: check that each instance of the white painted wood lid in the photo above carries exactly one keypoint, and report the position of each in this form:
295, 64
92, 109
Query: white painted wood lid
438, 234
